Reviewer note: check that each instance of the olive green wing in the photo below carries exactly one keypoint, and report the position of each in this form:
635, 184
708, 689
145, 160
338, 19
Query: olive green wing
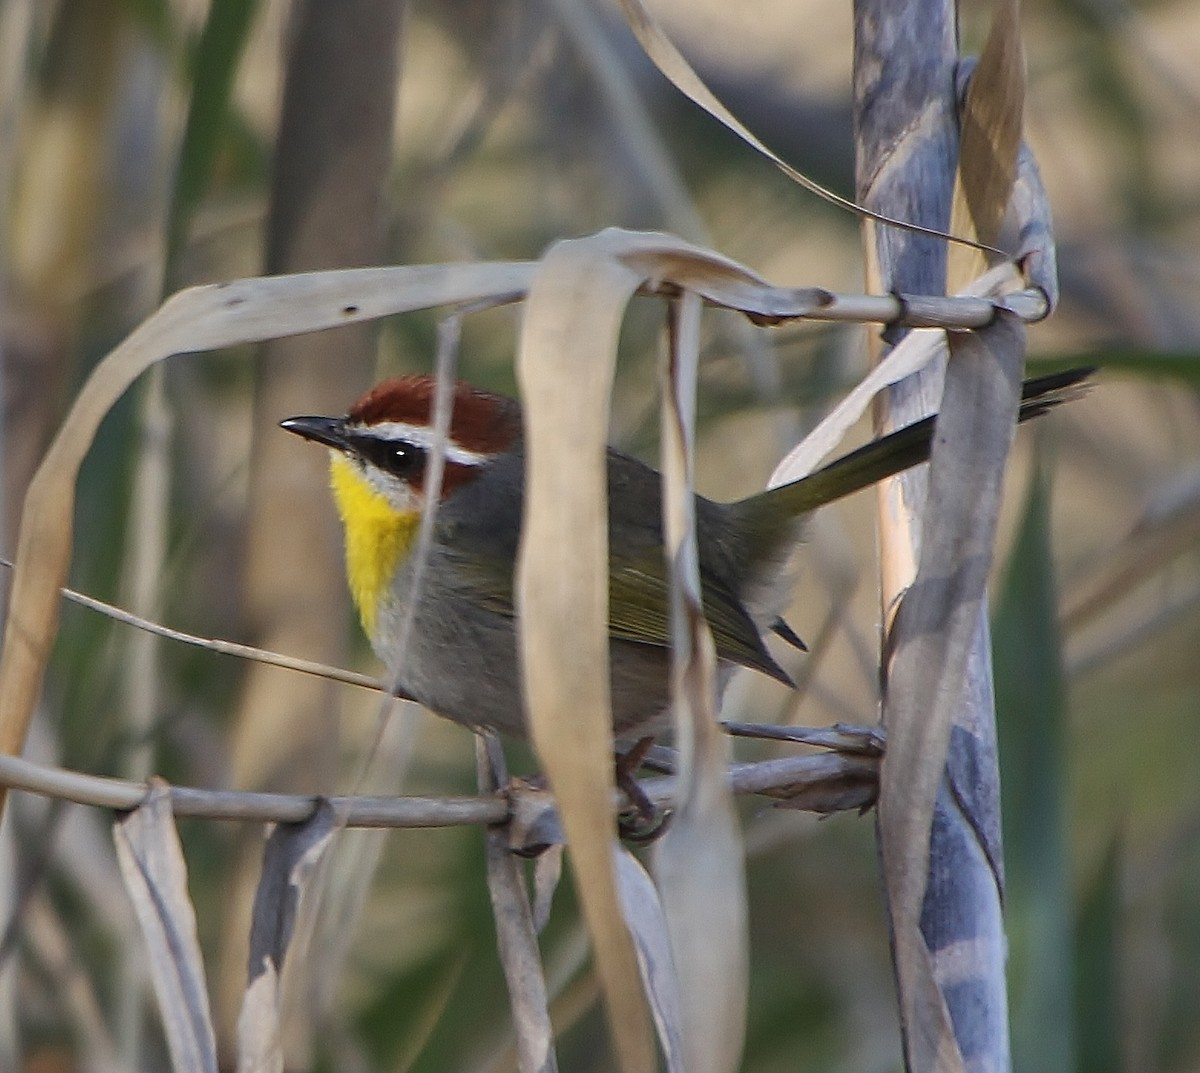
637, 607
637, 599
637, 611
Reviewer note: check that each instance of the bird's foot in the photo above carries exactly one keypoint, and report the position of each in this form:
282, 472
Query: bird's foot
643, 821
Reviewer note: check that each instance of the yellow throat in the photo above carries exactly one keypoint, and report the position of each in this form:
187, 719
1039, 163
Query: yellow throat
378, 537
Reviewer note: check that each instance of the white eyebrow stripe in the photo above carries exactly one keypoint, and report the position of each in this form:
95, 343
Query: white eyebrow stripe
422, 436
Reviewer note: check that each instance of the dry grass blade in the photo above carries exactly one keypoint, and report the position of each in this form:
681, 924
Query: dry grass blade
292, 853
698, 863
938, 808
939, 802
929, 690
651, 932
990, 122
155, 874
201, 318
680, 73
565, 364
260, 1042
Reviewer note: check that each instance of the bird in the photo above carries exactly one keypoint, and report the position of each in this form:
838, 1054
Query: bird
460, 659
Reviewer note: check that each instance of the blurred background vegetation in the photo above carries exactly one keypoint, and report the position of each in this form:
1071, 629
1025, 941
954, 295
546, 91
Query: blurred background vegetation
148, 145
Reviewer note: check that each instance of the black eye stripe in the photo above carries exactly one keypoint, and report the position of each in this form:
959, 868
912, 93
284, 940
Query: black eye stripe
401, 458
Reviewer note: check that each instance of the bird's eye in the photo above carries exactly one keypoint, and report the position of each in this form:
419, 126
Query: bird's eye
397, 457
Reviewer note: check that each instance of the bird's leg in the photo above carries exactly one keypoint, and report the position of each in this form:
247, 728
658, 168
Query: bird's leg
646, 822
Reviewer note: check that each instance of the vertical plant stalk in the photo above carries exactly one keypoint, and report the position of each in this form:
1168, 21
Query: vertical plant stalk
938, 823
332, 164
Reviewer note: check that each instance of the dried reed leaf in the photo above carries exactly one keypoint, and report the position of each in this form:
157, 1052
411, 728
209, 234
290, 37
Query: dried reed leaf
990, 124
668, 59
516, 940
155, 875
565, 362
260, 1046
547, 872
648, 923
699, 862
292, 855
934, 634
201, 318
1036, 253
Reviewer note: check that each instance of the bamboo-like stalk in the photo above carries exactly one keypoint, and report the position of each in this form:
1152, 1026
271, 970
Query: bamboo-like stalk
939, 824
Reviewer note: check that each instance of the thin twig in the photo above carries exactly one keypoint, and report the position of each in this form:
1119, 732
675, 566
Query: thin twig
227, 648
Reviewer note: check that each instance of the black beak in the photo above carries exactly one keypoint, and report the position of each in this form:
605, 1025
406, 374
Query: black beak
330, 431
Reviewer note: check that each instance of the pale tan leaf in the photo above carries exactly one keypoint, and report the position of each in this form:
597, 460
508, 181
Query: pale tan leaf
990, 122
260, 1048
670, 61
647, 922
155, 875
699, 862
547, 872
1036, 252
565, 361
291, 857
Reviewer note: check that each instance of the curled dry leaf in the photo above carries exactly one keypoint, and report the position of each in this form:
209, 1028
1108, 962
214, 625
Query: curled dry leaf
648, 924
155, 875
565, 361
291, 857
939, 686
991, 113
699, 862
670, 61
